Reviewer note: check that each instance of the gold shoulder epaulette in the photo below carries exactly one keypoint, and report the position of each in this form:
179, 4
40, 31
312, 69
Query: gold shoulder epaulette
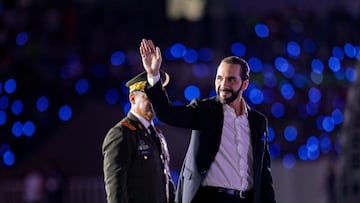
127, 124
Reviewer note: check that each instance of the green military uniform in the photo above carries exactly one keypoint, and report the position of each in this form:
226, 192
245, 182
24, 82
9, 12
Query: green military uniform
135, 163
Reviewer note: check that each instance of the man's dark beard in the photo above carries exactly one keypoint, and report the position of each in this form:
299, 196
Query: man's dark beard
234, 95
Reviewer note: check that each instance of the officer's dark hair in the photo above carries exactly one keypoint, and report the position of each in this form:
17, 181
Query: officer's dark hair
245, 70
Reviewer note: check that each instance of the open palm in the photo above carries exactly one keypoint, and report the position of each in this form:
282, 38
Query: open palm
151, 57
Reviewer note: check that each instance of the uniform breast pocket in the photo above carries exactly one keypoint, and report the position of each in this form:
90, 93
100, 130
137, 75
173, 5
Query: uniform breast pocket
145, 150
146, 162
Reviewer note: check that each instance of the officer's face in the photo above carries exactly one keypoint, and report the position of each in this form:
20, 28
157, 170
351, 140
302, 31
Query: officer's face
228, 83
142, 105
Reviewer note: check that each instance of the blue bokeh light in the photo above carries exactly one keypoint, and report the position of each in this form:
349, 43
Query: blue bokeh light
287, 91
255, 64
350, 50
278, 110
290, 72
82, 86
256, 96
117, 58
191, 92
42, 103
293, 49
2, 118
112, 96
290, 133
10, 86
168, 55
65, 113
289, 161
303, 152
4, 102
338, 52
317, 66
271, 134
325, 143
319, 121
178, 50
316, 78
334, 64
17, 129
350, 74
191, 56
29, 128
17, 107
3, 148
312, 143
313, 155
127, 107
22, 38
9, 158
281, 64
270, 78
328, 124
238, 49
262, 30
314, 95
337, 116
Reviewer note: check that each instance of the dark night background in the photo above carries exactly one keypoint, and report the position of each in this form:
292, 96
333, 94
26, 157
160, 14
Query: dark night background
63, 66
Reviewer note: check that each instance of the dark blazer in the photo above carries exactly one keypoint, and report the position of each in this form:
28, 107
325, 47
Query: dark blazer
205, 118
133, 169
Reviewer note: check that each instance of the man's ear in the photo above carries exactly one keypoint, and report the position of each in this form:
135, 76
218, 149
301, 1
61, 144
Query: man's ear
132, 98
245, 84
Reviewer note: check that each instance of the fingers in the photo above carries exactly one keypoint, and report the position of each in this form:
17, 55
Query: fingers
147, 47
151, 45
143, 48
158, 52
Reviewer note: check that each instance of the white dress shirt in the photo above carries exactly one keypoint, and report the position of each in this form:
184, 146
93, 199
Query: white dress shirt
232, 166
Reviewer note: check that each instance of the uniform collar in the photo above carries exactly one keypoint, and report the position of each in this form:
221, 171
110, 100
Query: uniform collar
142, 120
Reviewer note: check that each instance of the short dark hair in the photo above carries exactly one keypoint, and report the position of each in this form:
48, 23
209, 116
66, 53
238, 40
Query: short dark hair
245, 70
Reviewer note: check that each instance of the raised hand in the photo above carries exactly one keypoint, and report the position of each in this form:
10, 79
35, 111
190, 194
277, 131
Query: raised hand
151, 57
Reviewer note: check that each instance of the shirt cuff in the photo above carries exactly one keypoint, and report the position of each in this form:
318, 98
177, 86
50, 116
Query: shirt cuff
152, 80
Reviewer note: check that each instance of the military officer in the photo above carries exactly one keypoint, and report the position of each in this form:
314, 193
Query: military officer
135, 154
